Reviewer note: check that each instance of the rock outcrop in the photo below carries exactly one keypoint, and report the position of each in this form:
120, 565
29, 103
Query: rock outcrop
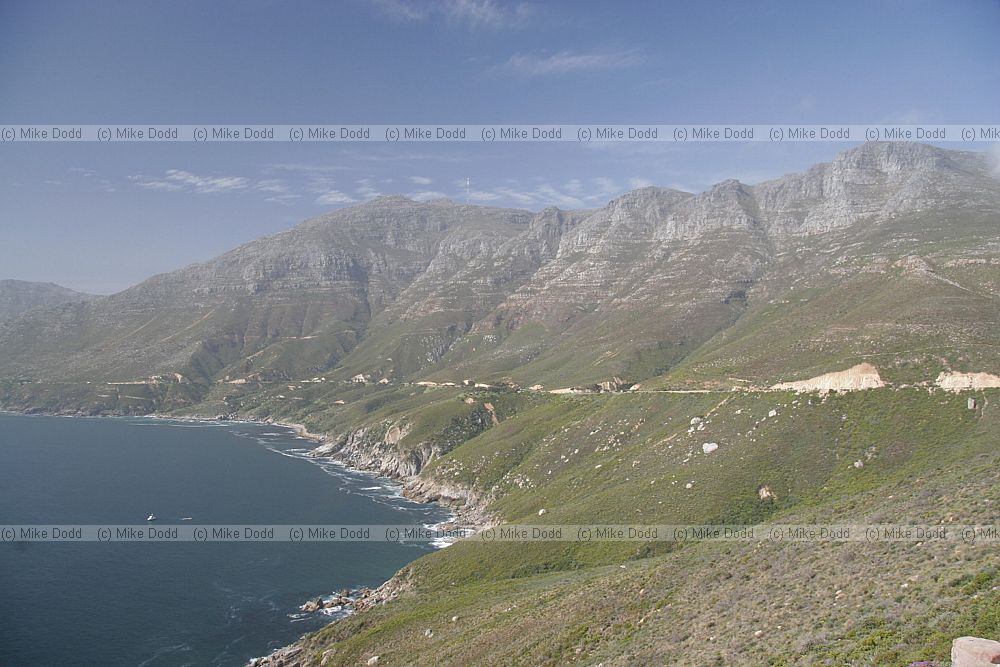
954, 381
856, 378
974, 652
381, 448
288, 656
374, 448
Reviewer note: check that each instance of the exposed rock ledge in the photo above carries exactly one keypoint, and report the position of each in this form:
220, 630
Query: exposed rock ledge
856, 378
951, 381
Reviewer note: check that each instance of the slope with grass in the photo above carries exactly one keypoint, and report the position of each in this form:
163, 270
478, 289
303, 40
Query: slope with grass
926, 457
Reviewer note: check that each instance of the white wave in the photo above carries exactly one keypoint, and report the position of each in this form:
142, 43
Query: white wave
390, 493
166, 650
335, 613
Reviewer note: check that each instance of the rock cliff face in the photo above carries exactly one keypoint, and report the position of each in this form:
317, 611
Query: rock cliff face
376, 447
874, 182
398, 288
373, 448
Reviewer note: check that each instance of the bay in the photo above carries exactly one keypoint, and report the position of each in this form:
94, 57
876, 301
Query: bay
177, 603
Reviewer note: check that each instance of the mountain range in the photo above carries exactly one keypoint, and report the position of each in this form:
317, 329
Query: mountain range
17, 296
816, 348
657, 281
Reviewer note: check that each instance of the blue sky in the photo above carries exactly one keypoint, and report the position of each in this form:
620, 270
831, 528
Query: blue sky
101, 217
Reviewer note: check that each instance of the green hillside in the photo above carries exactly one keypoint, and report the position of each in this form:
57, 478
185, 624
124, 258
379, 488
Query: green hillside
927, 459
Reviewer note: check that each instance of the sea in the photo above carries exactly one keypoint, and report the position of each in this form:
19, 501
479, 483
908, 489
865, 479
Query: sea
179, 603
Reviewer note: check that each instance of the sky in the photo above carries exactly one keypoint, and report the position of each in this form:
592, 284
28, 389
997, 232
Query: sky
101, 217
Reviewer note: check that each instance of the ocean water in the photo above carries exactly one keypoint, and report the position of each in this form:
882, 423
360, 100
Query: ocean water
157, 604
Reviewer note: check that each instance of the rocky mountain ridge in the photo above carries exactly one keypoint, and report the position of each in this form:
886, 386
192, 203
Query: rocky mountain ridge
18, 296
399, 289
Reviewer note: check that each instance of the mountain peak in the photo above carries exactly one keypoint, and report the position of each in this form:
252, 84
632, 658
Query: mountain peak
389, 200
17, 296
730, 185
649, 195
894, 155
912, 157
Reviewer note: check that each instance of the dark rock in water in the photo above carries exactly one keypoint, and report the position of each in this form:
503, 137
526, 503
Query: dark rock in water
312, 606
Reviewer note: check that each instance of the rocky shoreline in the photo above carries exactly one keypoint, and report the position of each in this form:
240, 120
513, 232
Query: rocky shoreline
359, 601
466, 506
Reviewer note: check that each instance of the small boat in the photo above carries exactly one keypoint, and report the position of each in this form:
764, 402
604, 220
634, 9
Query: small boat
187, 518
151, 517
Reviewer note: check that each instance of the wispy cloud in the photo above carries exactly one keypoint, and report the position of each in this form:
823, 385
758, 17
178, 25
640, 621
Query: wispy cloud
470, 14
319, 185
400, 10
180, 180
324, 185
307, 168
427, 195
174, 180
574, 193
566, 62
366, 189
487, 14
335, 197
273, 185
277, 191
315, 179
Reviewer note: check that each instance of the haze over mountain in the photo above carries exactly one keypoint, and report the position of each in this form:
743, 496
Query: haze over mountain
17, 296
